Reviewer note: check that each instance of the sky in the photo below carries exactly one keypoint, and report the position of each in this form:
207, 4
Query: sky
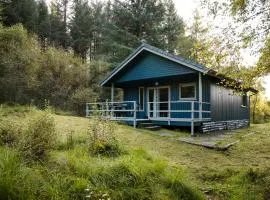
185, 9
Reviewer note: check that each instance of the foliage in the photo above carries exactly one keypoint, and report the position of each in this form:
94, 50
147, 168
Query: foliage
72, 173
79, 97
39, 137
260, 109
9, 132
19, 56
30, 75
102, 140
59, 76
264, 61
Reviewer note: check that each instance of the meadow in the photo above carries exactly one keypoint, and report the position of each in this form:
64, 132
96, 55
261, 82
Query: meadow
44, 155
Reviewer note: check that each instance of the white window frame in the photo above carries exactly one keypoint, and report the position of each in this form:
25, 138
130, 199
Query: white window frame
140, 99
188, 84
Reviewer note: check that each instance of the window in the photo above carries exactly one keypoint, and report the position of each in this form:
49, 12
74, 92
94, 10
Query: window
141, 98
187, 91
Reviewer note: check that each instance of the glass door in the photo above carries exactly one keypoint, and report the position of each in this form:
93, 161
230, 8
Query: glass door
152, 100
163, 99
158, 99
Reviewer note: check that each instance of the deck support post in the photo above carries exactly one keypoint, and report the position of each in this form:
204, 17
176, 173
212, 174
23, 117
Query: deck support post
112, 92
200, 95
192, 118
135, 115
86, 110
112, 100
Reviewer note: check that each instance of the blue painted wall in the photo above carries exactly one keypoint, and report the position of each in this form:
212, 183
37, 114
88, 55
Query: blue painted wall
148, 65
131, 92
149, 70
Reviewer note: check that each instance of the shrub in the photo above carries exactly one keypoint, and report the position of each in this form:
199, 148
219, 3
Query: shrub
39, 137
79, 98
102, 140
9, 132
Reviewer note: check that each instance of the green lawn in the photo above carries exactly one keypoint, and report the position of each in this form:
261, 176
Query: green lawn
218, 173
153, 167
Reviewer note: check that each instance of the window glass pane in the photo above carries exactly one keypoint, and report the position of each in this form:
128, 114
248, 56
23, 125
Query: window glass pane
141, 101
188, 91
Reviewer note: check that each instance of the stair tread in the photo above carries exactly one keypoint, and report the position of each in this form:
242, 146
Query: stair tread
153, 127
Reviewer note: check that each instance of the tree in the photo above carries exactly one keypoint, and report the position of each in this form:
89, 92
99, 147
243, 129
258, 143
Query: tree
81, 28
173, 28
253, 16
21, 11
58, 31
264, 61
19, 57
196, 44
43, 23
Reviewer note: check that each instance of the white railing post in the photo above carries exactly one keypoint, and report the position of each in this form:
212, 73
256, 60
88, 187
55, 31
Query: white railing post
200, 95
192, 118
169, 113
86, 110
148, 109
107, 108
200, 113
134, 120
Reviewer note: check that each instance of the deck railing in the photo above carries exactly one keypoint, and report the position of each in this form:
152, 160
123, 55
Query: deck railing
184, 111
179, 110
121, 111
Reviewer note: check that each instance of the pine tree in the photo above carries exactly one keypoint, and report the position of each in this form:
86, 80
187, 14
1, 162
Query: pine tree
81, 28
58, 32
21, 11
43, 23
173, 28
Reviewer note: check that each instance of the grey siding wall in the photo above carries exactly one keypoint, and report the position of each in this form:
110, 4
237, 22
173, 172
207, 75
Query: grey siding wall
225, 105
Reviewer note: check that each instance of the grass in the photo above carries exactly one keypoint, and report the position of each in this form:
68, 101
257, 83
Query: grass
71, 172
155, 167
221, 175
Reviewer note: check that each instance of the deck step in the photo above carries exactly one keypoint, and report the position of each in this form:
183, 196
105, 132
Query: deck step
145, 124
153, 128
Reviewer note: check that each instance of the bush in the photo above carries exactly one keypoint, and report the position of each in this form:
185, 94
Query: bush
101, 137
9, 132
79, 98
39, 137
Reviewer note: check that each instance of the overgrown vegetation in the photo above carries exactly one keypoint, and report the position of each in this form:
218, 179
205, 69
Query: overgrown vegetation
76, 173
150, 167
102, 138
29, 75
39, 137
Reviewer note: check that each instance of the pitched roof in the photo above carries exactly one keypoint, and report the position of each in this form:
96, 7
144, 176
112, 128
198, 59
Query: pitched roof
188, 63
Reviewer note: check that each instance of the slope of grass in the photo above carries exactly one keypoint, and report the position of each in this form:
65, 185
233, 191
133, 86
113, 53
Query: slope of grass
71, 172
243, 172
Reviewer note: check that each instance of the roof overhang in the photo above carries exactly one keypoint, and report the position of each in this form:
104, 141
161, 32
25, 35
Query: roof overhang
149, 49
236, 83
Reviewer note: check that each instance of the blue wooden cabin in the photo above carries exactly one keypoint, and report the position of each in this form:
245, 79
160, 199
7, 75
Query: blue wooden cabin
169, 90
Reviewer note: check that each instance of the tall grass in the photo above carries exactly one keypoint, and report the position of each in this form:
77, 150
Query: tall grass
102, 139
74, 173
39, 138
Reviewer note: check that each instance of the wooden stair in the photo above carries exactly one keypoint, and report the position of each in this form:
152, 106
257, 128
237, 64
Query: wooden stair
149, 126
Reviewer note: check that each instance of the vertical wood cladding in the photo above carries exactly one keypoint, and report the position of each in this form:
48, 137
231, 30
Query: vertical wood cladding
226, 104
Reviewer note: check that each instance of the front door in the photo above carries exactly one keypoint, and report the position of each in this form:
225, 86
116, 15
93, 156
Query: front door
158, 102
